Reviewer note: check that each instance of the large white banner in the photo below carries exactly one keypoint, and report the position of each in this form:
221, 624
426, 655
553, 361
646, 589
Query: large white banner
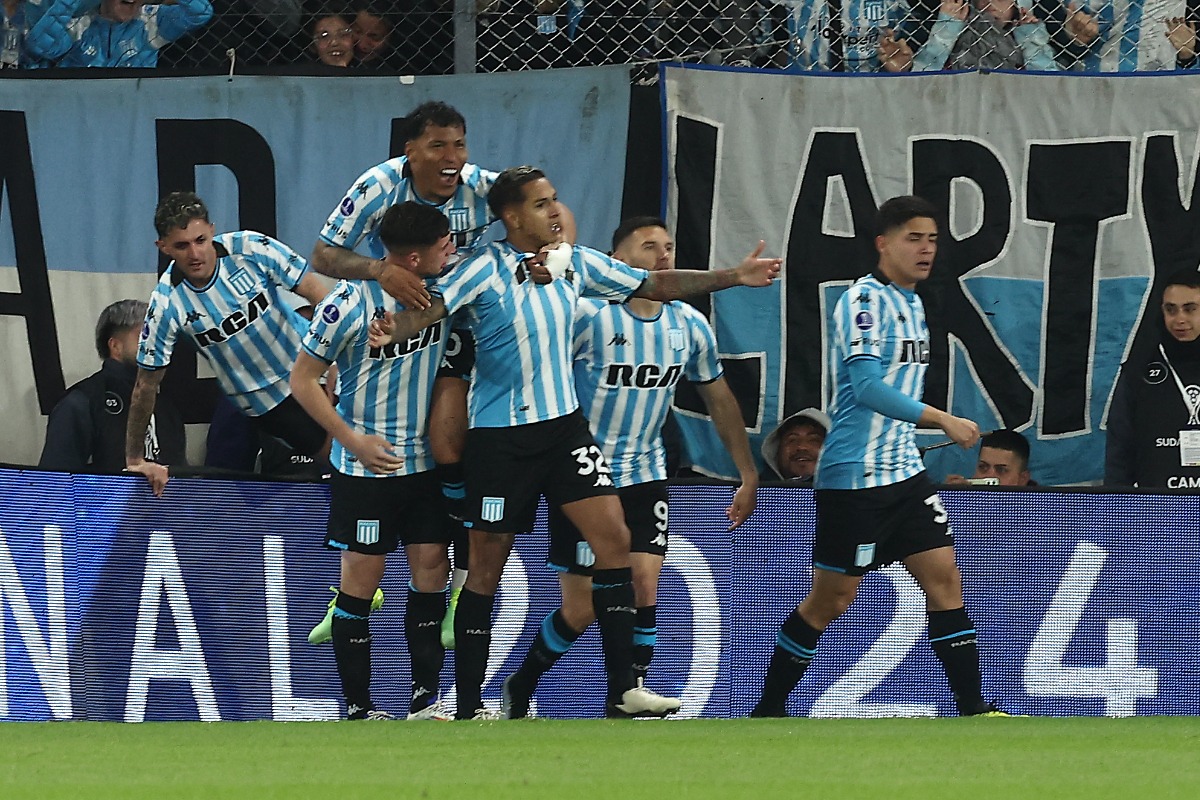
83, 162
1066, 197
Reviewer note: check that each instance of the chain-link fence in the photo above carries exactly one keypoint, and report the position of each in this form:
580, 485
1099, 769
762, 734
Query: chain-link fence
429, 37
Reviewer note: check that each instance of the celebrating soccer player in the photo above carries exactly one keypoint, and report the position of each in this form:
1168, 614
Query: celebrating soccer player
875, 503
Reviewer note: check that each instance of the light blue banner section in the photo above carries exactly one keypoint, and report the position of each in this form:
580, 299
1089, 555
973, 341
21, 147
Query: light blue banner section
95, 152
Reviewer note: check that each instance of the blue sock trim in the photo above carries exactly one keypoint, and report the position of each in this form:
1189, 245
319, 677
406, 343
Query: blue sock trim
337, 612
970, 631
554, 642
788, 644
645, 636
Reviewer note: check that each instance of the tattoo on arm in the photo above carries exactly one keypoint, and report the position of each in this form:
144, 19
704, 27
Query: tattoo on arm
676, 283
343, 264
410, 323
141, 406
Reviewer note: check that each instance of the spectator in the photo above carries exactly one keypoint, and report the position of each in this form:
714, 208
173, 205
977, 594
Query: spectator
1078, 31
117, 34
18, 16
1180, 35
87, 427
373, 44
332, 38
1154, 420
791, 450
525, 34
1003, 458
997, 34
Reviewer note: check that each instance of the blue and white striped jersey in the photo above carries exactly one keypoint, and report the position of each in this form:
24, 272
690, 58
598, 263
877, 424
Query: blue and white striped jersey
358, 216
523, 330
239, 320
382, 391
864, 448
807, 27
1137, 39
626, 371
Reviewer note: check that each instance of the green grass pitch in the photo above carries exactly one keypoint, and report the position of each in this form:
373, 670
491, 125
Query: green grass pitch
966, 759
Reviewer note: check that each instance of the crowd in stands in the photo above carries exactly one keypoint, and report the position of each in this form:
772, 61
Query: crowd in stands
418, 36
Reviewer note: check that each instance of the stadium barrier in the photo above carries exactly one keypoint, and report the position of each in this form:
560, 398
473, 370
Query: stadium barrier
115, 605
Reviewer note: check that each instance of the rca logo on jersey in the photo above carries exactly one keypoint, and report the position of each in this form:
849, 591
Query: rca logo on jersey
914, 352
641, 376
430, 336
235, 322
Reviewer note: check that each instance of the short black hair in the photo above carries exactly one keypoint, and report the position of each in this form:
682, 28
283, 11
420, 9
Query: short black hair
177, 210
433, 112
628, 226
1184, 277
508, 190
899, 210
1011, 441
117, 318
410, 224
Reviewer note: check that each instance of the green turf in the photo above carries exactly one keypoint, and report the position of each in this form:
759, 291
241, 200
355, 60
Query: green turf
966, 759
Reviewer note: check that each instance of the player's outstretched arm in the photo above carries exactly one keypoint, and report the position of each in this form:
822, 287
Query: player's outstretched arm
141, 407
727, 417
345, 264
373, 452
676, 283
404, 324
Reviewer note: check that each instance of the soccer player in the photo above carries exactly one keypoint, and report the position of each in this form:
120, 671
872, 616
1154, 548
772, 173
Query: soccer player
875, 503
526, 434
225, 294
383, 490
628, 359
433, 170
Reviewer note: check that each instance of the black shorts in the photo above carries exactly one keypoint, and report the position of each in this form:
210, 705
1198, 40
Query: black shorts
645, 507
377, 515
459, 359
859, 530
507, 469
290, 423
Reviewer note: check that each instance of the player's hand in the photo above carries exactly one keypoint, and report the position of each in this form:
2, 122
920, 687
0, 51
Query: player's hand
405, 287
757, 271
1027, 17
376, 454
535, 265
157, 474
962, 431
379, 331
956, 480
744, 501
1182, 36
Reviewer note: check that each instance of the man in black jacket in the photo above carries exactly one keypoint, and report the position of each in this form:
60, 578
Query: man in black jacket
86, 430
1154, 421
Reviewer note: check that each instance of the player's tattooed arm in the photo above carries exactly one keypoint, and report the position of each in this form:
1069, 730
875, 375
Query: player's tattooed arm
672, 284
404, 324
141, 406
345, 264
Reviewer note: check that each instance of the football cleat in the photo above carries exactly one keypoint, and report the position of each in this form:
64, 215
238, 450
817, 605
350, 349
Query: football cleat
448, 620
514, 699
485, 715
433, 711
322, 632
642, 702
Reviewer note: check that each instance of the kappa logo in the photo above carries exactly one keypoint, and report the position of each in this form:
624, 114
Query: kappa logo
368, 531
618, 340
492, 509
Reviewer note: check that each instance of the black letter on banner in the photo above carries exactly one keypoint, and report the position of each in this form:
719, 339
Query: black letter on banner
936, 163
184, 144
815, 257
33, 302
695, 175
1173, 228
1055, 196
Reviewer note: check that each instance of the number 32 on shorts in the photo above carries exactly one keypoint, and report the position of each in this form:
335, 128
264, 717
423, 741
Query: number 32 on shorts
591, 460
939, 511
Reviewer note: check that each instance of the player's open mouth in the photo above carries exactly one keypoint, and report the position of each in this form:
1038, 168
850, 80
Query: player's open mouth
449, 172
555, 227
